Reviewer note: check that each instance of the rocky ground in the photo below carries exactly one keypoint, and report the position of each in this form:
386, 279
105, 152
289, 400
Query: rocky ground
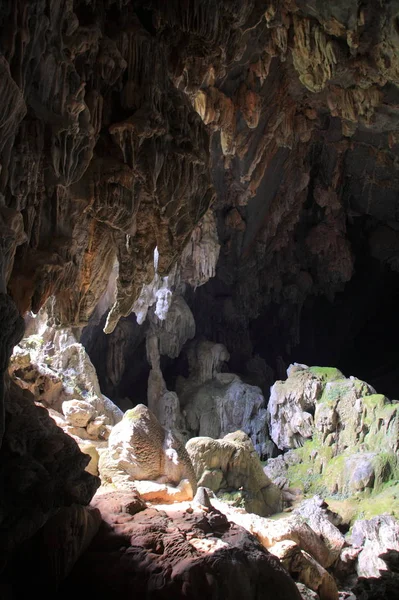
248, 528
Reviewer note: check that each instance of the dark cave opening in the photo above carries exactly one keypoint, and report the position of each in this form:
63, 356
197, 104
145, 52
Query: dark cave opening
357, 331
120, 360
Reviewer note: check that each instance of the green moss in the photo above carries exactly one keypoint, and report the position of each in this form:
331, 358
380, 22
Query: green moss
374, 401
236, 498
333, 393
333, 474
386, 468
306, 473
380, 420
33, 342
367, 507
327, 373
338, 389
133, 414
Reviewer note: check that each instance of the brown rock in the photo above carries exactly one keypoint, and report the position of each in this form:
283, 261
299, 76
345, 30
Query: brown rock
170, 553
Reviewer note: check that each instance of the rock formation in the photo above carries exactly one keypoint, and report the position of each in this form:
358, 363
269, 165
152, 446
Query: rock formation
177, 553
231, 465
344, 437
204, 182
142, 456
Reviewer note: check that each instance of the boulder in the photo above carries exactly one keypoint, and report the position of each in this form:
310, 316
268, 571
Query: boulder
161, 493
43, 467
230, 465
343, 437
378, 538
140, 449
178, 552
78, 412
304, 568
321, 520
295, 529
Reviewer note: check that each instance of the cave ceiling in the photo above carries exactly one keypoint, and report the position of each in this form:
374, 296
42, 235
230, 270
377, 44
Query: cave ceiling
123, 122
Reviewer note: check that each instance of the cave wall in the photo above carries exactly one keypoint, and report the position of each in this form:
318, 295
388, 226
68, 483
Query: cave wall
122, 122
300, 104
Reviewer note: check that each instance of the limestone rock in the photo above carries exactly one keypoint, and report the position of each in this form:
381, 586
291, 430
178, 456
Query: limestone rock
161, 493
292, 404
230, 465
62, 377
112, 504
177, 553
163, 403
78, 412
44, 468
140, 449
92, 451
295, 528
225, 404
174, 331
321, 520
50, 555
199, 257
352, 440
378, 538
302, 566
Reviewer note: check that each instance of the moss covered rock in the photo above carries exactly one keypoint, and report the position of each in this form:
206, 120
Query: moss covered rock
351, 444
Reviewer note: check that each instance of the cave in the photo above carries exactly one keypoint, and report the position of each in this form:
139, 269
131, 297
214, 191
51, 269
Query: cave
199, 240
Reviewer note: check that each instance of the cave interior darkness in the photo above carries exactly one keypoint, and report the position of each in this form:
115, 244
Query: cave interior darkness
356, 331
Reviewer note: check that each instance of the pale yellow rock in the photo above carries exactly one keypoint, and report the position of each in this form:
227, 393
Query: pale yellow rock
231, 464
78, 412
152, 491
91, 450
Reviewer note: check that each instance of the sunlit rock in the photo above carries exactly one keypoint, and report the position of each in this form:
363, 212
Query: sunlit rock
231, 466
140, 449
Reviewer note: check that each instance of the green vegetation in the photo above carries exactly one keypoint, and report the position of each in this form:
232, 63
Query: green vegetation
33, 342
367, 507
235, 498
326, 373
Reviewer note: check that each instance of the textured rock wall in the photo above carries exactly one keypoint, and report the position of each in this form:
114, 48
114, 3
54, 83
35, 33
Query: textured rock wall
120, 119
299, 100
103, 158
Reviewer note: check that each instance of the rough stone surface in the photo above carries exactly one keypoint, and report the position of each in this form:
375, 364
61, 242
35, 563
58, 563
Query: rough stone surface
303, 567
115, 119
350, 445
43, 467
50, 555
291, 406
378, 538
140, 449
178, 553
232, 465
323, 522
223, 405
57, 370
